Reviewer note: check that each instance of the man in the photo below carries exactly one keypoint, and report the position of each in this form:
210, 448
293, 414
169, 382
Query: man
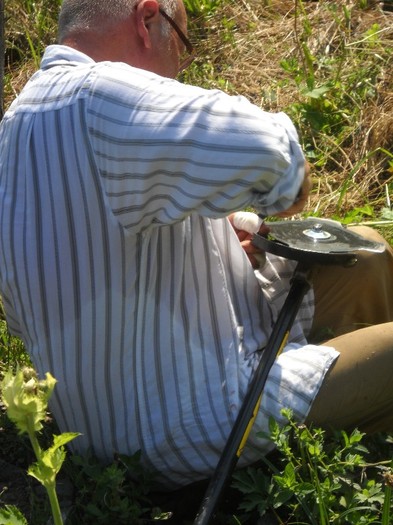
121, 272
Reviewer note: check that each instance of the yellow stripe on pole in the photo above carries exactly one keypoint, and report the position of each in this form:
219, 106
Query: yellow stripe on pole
256, 408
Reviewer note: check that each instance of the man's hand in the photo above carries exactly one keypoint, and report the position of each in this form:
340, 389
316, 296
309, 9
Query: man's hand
302, 197
245, 225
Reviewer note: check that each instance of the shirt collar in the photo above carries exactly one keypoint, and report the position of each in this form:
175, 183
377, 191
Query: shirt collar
57, 55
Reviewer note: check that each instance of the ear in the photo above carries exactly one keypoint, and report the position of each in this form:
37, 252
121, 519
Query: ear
147, 14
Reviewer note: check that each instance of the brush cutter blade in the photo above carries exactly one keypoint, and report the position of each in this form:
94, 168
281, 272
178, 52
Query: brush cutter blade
315, 241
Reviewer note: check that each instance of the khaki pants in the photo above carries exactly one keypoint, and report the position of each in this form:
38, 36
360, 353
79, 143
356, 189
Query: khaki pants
355, 306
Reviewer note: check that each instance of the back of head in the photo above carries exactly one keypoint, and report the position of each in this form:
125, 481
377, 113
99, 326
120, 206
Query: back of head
91, 15
97, 15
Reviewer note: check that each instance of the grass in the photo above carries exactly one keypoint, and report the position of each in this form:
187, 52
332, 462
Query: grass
328, 64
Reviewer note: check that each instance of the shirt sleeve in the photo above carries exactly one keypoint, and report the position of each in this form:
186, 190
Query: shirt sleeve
165, 150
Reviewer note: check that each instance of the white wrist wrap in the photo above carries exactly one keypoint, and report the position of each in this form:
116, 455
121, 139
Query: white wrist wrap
247, 221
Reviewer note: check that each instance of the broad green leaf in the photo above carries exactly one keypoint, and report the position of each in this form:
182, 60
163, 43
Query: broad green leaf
11, 515
317, 92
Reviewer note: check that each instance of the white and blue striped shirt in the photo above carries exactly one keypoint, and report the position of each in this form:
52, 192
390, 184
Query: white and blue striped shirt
119, 270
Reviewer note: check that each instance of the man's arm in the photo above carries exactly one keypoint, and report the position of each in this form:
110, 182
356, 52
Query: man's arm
302, 196
246, 224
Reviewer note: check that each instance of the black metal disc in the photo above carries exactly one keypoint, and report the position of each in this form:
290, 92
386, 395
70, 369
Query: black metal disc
315, 240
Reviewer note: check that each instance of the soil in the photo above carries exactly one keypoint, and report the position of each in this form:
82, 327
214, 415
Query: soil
14, 487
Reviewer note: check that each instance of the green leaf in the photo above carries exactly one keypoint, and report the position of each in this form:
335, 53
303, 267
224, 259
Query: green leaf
306, 488
288, 479
317, 92
42, 473
315, 449
387, 214
11, 515
52, 459
290, 475
251, 502
281, 497
63, 439
373, 493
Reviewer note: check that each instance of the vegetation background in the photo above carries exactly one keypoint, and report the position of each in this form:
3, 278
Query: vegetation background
328, 64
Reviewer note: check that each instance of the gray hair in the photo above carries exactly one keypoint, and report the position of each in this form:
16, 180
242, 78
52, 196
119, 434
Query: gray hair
98, 15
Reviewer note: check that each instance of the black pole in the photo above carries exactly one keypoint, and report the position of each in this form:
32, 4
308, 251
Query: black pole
2, 55
233, 448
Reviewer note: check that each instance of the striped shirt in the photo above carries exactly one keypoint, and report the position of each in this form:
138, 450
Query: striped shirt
120, 272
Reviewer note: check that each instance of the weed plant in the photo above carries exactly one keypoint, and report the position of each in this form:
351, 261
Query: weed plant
318, 480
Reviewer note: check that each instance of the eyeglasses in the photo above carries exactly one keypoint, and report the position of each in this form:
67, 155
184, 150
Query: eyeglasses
189, 47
